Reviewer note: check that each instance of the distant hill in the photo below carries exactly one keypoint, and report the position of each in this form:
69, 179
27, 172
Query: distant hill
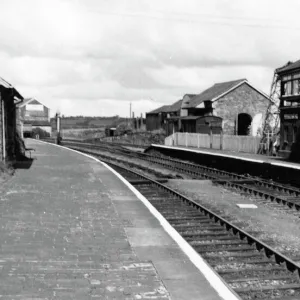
81, 122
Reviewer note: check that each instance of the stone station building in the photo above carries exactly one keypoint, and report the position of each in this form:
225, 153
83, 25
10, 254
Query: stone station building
240, 105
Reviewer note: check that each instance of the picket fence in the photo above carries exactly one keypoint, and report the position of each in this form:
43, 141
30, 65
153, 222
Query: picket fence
238, 143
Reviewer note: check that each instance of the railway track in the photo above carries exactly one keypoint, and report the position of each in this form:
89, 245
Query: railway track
264, 191
251, 268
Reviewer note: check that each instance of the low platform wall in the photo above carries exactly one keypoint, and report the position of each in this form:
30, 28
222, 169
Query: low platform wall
253, 167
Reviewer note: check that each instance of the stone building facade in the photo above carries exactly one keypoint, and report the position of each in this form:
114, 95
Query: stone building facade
241, 106
243, 110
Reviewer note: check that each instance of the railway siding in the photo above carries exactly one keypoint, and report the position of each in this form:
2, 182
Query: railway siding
240, 163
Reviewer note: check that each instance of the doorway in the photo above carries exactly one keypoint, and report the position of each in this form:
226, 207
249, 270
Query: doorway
244, 123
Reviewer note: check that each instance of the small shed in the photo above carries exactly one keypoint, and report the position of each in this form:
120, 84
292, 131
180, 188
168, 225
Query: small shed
156, 119
202, 124
110, 131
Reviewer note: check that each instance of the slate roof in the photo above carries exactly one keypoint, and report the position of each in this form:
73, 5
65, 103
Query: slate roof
213, 92
289, 67
159, 110
174, 107
167, 108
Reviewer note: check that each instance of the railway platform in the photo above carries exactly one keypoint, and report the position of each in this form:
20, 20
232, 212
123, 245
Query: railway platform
243, 163
72, 229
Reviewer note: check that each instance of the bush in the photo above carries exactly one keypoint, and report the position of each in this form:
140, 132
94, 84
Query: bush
40, 132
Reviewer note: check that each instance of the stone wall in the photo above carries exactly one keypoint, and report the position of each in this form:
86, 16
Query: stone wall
243, 99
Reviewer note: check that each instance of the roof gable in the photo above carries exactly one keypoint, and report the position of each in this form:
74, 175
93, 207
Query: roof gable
32, 101
235, 87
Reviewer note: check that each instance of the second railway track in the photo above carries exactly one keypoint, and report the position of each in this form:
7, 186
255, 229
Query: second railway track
263, 190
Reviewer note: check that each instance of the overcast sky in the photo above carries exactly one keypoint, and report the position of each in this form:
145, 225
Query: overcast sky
94, 57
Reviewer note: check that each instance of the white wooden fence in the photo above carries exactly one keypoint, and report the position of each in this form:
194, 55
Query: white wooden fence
239, 143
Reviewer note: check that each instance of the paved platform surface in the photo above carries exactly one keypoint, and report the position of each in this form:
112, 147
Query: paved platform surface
240, 155
70, 229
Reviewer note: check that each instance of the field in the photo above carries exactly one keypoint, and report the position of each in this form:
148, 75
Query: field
83, 133
140, 138
86, 122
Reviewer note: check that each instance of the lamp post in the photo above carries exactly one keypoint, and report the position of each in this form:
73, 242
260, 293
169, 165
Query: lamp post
58, 136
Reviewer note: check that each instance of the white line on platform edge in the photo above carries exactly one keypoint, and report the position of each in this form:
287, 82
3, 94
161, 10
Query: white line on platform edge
215, 281
285, 165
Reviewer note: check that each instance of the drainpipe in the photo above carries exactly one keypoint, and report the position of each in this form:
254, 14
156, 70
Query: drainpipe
3, 129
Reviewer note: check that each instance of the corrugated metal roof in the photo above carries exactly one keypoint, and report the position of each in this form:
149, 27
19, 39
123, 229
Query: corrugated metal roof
289, 67
213, 92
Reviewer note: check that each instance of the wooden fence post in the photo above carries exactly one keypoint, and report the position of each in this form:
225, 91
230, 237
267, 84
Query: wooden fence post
221, 140
186, 139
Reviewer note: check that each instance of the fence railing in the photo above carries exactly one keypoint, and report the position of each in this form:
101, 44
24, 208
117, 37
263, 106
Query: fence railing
248, 144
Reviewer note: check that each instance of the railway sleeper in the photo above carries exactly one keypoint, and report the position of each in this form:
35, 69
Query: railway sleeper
201, 216
238, 259
206, 249
187, 219
271, 288
221, 247
218, 243
149, 192
196, 233
207, 235
164, 200
232, 254
197, 226
214, 238
290, 277
253, 272
180, 213
171, 208
254, 263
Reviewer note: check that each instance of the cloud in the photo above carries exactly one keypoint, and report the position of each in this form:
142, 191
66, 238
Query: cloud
92, 56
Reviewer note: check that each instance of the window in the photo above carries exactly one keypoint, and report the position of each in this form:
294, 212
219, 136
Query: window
287, 77
297, 75
296, 86
288, 88
291, 84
